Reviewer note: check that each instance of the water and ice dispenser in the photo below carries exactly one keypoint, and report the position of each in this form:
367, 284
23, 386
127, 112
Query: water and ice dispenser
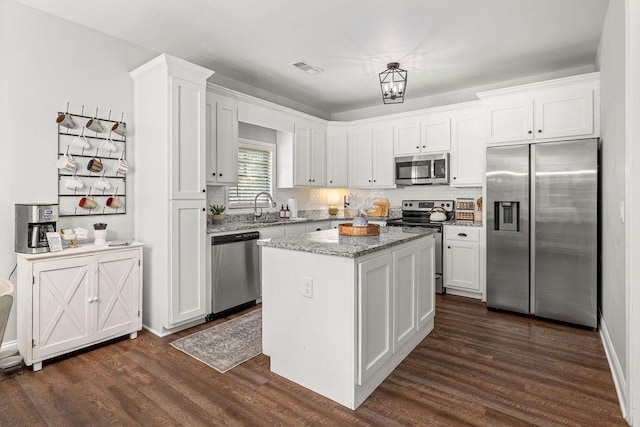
507, 216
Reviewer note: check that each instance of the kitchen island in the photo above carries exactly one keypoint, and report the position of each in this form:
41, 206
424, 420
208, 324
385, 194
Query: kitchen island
341, 312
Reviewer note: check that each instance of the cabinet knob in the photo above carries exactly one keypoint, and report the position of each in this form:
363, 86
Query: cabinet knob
454, 177
424, 146
220, 174
375, 180
530, 132
214, 174
90, 300
204, 190
448, 247
309, 180
203, 209
314, 180
462, 234
417, 146
330, 181
369, 180
539, 130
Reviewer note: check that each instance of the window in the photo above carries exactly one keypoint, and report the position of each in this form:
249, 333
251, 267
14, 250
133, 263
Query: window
255, 173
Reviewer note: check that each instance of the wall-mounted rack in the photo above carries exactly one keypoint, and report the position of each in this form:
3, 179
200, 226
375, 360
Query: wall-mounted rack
106, 146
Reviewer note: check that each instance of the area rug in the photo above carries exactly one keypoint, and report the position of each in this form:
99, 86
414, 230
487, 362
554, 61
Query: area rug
226, 345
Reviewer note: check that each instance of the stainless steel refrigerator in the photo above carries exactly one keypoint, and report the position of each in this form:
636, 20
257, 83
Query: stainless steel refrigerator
542, 230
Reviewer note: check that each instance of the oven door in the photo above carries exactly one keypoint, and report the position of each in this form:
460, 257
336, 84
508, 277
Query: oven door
413, 170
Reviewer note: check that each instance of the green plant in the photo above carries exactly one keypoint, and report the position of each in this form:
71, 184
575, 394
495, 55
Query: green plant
216, 209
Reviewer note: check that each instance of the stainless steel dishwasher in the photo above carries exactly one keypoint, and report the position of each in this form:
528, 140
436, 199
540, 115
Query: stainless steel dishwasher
235, 272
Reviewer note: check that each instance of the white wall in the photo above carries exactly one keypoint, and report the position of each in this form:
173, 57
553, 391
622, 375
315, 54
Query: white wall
611, 62
46, 62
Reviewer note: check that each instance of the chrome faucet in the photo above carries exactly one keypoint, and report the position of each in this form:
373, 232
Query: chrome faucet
257, 215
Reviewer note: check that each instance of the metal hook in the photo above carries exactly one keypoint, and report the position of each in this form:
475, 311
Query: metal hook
67, 112
82, 114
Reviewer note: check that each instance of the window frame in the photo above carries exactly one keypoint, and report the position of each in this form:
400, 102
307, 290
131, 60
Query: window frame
263, 146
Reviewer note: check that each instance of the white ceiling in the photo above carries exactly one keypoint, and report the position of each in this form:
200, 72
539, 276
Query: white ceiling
444, 44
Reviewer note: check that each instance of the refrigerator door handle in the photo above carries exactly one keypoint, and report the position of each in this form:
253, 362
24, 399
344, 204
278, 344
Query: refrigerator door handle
532, 230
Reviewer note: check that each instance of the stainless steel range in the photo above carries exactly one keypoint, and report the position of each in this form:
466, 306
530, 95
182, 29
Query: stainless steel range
417, 213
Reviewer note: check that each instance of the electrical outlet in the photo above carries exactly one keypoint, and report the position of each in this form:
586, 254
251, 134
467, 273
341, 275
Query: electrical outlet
307, 287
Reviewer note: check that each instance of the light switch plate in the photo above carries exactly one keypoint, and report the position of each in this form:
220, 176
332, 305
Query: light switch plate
307, 287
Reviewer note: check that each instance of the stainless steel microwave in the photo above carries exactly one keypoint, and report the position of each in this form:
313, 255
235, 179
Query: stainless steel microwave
423, 169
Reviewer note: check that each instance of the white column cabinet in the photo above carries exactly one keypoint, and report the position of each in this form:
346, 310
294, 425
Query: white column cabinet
187, 129
371, 154
222, 141
170, 120
546, 111
188, 265
76, 298
337, 158
467, 149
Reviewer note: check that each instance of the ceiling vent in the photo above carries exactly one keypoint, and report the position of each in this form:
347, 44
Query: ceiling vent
309, 69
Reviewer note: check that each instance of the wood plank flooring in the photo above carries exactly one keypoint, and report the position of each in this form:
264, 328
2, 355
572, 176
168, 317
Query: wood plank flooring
477, 367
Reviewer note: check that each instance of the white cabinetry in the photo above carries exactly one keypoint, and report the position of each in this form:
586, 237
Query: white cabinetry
67, 302
547, 111
372, 163
462, 260
222, 140
337, 158
429, 134
170, 123
467, 149
309, 156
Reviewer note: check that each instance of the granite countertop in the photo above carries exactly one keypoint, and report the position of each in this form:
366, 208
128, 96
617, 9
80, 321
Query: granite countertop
330, 242
463, 223
250, 225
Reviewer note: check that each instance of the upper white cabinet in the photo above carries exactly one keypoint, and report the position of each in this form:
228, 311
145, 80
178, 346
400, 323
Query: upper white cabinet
548, 111
302, 157
170, 199
371, 150
467, 149
337, 158
430, 133
222, 140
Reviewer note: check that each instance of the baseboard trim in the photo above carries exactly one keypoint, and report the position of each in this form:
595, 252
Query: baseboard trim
614, 365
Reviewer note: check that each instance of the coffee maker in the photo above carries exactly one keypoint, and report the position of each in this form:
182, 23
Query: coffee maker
33, 222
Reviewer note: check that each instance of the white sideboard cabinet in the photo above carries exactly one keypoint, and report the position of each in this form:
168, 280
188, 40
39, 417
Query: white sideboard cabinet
75, 298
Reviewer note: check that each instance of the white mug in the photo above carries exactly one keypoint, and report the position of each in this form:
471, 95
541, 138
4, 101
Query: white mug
95, 125
66, 163
81, 142
74, 183
65, 119
121, 166
120, 128
102, 183
108, 145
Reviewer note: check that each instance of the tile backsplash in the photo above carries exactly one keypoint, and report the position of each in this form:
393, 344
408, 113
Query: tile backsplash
316, 198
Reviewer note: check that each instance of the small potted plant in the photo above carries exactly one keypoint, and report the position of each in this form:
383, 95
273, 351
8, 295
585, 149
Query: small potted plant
217, 214
361, 204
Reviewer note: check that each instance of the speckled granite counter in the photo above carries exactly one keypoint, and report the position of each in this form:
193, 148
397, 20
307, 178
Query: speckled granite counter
330, 242
463, 223
249, 225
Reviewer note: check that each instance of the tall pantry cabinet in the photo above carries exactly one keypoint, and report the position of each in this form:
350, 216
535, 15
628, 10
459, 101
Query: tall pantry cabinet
170, 190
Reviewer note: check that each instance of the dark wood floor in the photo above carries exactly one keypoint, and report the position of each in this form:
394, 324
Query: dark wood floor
476, 368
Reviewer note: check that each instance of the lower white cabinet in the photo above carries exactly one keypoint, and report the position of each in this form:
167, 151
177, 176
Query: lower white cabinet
75, 298
462, 259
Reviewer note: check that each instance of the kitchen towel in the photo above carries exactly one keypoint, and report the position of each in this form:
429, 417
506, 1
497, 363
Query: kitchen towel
293, 207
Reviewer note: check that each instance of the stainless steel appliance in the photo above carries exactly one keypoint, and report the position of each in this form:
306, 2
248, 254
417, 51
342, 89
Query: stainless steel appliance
416, 213
423, 169
33, 222
235, 272
542, 226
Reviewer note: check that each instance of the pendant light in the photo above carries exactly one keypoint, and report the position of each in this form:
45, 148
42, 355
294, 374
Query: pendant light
393, 83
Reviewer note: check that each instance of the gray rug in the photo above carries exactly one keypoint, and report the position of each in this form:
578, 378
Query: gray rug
226, 345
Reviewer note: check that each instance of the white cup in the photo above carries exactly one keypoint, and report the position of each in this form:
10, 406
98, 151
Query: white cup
102, 183
81, 142
120, 128
65, 119
66, 163
108, 145
99, 237
74, 183
95, 125
121, 166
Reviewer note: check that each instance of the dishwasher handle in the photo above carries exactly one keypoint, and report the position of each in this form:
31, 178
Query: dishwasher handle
233, 238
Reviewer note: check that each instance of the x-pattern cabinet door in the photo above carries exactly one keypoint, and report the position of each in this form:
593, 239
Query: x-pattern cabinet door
62, 290
117, 286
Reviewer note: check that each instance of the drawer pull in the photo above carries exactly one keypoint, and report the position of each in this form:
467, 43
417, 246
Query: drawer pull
462, 234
